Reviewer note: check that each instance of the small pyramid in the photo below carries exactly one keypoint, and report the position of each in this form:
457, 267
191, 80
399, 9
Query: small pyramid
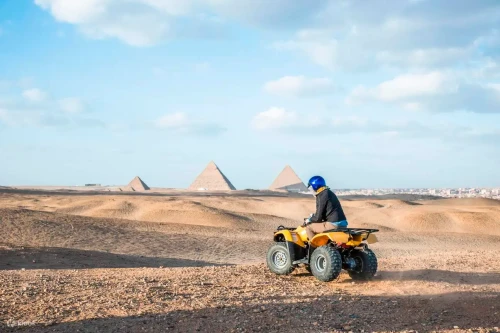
212, 179
138, 185
289, 181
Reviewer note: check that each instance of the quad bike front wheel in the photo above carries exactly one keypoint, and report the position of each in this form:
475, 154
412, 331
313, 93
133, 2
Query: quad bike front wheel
326, 263
278, 259
365, 265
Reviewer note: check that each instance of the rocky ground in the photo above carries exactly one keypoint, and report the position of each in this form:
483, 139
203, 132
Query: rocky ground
246, 299
65, 272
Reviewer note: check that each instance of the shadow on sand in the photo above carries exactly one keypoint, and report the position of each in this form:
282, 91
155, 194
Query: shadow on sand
428, 275
63, 258
467, 310
436, 275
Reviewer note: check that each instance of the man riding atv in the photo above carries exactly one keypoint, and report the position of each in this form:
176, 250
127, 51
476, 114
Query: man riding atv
329, 213
324, 244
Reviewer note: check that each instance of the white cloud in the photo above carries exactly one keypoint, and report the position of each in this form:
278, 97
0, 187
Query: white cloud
202, 67
20, 117
147, 22
494, 86
25, 82
30, 112
13, 117
265, 13
412, 106
358, 35
424, 58
357, 52
181, 123
138, 30
488, 69
321, 48
274, 118
76, 11
4, 116
34, 95
434, 91
298, 86
409, 86
349, 121
136, 22
279, 120
176, 120
72, 105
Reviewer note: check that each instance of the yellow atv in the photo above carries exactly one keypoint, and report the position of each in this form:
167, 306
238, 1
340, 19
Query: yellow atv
326, 254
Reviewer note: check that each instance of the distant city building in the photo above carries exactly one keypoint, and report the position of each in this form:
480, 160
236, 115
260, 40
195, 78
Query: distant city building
491, 193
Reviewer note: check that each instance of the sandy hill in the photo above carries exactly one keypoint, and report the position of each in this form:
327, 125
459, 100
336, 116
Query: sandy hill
465, 202
265, 213
289, 181
212, 179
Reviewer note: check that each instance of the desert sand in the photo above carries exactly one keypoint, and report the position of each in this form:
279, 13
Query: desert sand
187, 263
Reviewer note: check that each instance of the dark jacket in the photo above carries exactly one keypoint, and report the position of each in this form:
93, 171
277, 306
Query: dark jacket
328, 208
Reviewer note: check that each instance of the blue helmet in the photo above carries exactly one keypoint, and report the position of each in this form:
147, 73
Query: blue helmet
316, 182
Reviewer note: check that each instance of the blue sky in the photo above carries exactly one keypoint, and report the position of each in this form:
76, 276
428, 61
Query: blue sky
368, 94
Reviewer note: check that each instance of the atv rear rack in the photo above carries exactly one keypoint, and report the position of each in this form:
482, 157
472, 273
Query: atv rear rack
351, 231
285, 228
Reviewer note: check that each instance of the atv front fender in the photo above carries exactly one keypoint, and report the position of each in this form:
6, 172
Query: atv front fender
295, 246
289, 236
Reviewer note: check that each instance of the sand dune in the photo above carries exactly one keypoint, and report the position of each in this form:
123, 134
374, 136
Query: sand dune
467, 216
478, 202
43, 229
214, 229
226, 212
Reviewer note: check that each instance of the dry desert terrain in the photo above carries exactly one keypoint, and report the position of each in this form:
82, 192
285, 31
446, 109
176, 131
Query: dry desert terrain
188, 263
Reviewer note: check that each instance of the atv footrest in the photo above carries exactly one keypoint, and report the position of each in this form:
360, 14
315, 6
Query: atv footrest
301, 261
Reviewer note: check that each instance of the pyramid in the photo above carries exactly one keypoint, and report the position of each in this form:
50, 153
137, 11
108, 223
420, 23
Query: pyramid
138, 185
212, 179
289, 181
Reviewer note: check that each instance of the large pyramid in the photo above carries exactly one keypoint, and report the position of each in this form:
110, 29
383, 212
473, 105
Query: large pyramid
137, 185
289, 181
212, 179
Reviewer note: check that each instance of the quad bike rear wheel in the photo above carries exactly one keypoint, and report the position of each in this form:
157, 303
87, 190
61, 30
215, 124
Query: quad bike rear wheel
278, 259
326, 263
365, 265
